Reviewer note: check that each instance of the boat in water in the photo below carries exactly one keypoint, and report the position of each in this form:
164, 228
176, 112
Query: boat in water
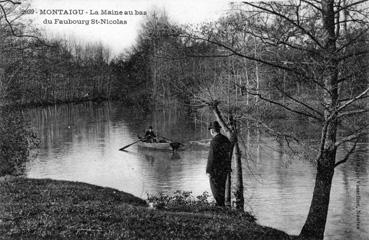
156, 145
161, 145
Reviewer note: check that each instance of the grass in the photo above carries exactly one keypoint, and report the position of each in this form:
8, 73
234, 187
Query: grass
50, 209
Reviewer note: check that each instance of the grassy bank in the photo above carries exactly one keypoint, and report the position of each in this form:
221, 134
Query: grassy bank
50, 209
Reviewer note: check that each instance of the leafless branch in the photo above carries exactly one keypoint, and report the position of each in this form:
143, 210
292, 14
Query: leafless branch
312, 4
284, 106
338, 26
210, 55
351, 41
346, 77
354, 54
10, 1
347, 99
12, 29
277, 41
351, 21
353, 112
299, 102
269, 129
237, 53
347, 155
271, 11
349, 6
361, 95
358, 133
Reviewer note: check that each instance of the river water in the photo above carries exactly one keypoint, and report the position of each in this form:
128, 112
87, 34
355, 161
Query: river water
80, 142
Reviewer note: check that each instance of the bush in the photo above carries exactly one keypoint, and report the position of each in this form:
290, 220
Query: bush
179, 200
16, 141
184, 201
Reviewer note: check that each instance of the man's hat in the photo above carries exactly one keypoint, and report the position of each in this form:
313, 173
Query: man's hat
214, 125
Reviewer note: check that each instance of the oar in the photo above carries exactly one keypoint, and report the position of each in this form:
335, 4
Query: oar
174, 144
169, 139
121, 149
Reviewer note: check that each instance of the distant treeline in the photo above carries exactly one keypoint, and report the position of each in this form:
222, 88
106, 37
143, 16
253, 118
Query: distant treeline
168, 63
36, 71
188, 64
55, 71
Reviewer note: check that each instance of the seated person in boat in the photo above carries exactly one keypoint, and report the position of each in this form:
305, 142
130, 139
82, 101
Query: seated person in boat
150, 135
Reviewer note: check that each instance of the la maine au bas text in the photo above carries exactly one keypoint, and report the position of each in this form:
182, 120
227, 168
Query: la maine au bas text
105, 16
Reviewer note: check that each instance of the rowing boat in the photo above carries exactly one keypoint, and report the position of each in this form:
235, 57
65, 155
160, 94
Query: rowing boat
156, 145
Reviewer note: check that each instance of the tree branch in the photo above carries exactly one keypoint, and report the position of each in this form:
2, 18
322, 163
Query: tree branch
12, 29
358, 36
10, 1
352, 100
237, 53
277, 41
349, 5
348, 113
214, 107
274, 132
358, 133
208, 56
353, 54
347, 99
347, 155
312, 4
285, 107
299, 102
271, 11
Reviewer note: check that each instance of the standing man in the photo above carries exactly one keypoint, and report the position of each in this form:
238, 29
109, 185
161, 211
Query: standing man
219, 162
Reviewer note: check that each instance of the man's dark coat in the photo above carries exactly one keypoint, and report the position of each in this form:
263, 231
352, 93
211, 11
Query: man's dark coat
218, 166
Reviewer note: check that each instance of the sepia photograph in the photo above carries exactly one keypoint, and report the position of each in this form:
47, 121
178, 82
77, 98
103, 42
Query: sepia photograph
184, 119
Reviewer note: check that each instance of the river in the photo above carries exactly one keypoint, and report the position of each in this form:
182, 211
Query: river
80, 142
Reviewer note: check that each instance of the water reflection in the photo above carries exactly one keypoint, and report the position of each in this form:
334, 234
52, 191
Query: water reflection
80, 143
350, 202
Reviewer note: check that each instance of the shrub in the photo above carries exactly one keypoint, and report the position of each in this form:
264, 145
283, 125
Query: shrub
184, 201
16, 141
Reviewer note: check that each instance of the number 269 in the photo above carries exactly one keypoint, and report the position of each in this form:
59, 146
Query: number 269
28, 11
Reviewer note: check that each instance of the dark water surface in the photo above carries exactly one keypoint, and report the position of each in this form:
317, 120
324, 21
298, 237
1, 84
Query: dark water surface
80, 143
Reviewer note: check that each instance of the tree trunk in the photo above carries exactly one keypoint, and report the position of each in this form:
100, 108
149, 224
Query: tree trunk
232, 135
256, 74
315, 223
240, 201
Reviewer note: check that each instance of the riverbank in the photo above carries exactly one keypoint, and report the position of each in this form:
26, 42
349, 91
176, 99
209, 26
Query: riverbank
51, 209
56, 102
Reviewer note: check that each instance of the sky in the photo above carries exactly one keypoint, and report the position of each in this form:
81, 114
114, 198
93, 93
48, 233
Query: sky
117, 37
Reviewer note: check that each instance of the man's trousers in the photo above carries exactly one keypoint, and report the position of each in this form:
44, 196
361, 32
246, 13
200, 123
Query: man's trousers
217, 185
